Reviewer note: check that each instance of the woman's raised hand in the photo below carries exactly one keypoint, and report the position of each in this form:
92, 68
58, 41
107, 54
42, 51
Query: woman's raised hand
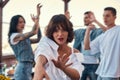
38, 9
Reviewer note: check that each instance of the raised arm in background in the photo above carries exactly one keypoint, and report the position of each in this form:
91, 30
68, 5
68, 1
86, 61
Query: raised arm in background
34, 30
93, 19
39, 34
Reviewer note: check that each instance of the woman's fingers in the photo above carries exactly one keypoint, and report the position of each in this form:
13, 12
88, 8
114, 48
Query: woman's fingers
67, 65
65, 60
39, 5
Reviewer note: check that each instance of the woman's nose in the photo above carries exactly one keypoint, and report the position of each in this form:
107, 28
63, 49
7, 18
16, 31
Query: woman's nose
60, 32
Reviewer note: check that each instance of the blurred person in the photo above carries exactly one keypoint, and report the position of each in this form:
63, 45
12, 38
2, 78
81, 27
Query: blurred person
108, 44
21, 44
90, 63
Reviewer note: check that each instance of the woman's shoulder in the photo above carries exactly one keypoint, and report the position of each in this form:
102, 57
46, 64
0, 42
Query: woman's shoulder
14, 34
75, 51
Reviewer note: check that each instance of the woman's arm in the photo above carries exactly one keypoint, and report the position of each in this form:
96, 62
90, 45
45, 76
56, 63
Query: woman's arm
34, 29
61, 64
22, 36
72, 73
40, 73
39, 34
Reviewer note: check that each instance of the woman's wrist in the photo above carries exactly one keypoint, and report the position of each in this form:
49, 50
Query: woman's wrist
63, 69
37, 17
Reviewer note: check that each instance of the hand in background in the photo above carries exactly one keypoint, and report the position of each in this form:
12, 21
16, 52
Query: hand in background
38, 9
67, 14
36, 18
91, 26
92, 17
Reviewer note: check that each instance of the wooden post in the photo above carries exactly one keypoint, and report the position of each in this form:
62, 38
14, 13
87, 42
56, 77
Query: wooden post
66, 5
0, 34
2, 4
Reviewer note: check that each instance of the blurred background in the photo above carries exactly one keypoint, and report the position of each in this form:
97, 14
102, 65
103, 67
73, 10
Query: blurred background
50, 8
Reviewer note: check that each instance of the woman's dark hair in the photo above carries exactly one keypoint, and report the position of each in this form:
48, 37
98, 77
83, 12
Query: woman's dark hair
13, 24
55, 23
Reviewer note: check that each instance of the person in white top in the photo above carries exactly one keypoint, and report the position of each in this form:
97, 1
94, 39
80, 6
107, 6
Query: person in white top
108, 44
55, 60
90, 63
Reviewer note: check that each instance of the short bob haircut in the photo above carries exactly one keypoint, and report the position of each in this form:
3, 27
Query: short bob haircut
55, 23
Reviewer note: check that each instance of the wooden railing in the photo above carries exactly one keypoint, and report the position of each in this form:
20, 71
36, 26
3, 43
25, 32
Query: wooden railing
9, 60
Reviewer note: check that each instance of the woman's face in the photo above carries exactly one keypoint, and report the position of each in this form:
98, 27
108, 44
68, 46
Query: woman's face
60, 36
21, 24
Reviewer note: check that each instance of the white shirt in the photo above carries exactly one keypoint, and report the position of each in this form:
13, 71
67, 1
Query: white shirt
13, 35
49, 48
88, 59
109, 45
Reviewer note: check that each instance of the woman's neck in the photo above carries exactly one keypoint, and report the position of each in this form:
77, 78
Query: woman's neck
61, 47
64, 49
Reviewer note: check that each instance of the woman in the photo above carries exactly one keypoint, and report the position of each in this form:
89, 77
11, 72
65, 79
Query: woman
55, 60
21, 44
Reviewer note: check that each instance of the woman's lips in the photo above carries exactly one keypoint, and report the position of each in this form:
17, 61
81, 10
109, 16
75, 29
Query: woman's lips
22, 27
60, 39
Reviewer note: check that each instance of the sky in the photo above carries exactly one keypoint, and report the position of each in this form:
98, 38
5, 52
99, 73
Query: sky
52, 7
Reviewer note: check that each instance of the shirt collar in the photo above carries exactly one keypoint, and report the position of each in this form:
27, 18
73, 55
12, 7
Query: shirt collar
51, 43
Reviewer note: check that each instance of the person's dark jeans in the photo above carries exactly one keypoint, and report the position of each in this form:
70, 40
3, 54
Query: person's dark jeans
89, 71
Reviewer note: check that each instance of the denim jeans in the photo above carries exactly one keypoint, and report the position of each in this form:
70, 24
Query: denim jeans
89, 71
23, 71
107, 78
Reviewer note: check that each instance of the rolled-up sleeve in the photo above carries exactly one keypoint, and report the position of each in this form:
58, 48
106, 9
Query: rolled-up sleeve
94, 47
42, 49
76, 63
12, 38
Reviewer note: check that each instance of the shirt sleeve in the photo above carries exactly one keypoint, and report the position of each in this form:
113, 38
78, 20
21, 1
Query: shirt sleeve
12, 38
95, 46
41, 50
76, 63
